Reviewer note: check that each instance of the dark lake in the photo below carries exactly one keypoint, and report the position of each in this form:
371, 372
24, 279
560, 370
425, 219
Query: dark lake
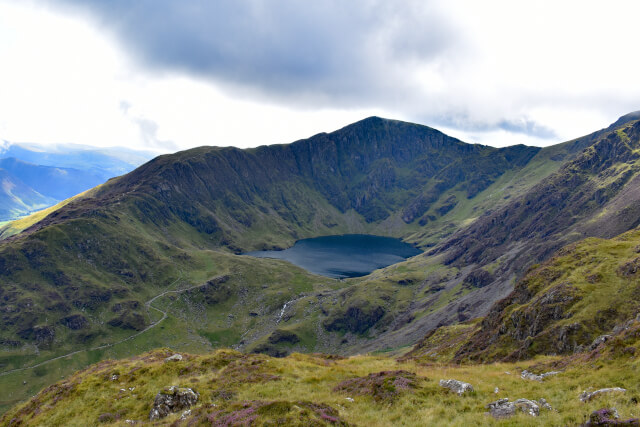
349, 255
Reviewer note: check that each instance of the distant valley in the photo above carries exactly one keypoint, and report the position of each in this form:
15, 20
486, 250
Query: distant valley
35, 177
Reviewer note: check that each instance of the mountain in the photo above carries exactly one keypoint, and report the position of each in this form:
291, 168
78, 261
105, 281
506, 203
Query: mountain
37, 177
149, 259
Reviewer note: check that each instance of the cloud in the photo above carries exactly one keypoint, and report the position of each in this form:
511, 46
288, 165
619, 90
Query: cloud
465, 122
197, 72
333, 52
148, 130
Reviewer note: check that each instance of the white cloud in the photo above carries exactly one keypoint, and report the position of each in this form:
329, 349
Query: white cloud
564, 68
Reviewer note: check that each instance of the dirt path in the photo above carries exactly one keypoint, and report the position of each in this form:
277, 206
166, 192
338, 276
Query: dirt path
100, 347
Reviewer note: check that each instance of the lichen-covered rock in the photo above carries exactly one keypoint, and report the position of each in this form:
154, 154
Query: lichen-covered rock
609, 417
601, 339
456, 386
527, 406
586, 396
172, 399
526, 375
501, 408
544, 404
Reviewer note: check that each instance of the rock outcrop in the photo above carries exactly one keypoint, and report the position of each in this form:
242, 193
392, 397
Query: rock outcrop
526, 375
172, 399
586, 396
503, 408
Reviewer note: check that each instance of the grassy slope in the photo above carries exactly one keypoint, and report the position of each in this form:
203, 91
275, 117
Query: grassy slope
226, 378
585, 290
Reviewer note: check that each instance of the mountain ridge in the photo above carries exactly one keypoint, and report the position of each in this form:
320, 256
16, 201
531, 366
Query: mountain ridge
176, 222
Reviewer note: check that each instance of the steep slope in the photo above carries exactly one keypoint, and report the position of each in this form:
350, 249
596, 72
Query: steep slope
375, 171
592, 194
585, 291
586, 295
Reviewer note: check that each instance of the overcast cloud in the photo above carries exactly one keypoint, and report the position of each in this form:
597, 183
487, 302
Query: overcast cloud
243, 73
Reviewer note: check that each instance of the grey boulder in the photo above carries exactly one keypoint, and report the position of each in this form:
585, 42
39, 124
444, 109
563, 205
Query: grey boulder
456, 386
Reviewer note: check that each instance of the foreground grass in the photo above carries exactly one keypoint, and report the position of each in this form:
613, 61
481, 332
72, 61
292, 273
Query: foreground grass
113, 392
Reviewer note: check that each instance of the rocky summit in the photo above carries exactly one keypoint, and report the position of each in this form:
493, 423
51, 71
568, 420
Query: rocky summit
132, 302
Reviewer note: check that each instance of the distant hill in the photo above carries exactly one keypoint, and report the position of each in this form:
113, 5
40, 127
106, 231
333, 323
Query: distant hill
36, 177
17, 198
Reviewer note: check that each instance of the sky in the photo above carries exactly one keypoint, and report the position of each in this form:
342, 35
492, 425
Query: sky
167, 75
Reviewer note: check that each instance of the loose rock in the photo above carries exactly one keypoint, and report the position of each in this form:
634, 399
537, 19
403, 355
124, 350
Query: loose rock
172, 399
456, 386
175, 358
586, 396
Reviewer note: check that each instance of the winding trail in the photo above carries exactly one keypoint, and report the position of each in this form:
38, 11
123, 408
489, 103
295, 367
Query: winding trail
100, 347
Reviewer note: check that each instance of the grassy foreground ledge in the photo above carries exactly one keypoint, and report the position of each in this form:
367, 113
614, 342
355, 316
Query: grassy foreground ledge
251, 389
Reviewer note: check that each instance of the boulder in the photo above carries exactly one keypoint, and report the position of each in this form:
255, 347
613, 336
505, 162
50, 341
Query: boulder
172, 399
501, 408
586, 396
456, 386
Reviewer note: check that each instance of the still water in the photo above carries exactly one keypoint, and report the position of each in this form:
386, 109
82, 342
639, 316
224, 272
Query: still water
349, 255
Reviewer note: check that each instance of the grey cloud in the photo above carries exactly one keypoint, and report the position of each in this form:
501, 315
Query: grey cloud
522, 125
527, 127
149, 132
347, 53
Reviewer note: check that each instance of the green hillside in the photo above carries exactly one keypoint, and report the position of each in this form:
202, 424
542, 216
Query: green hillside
150, 259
